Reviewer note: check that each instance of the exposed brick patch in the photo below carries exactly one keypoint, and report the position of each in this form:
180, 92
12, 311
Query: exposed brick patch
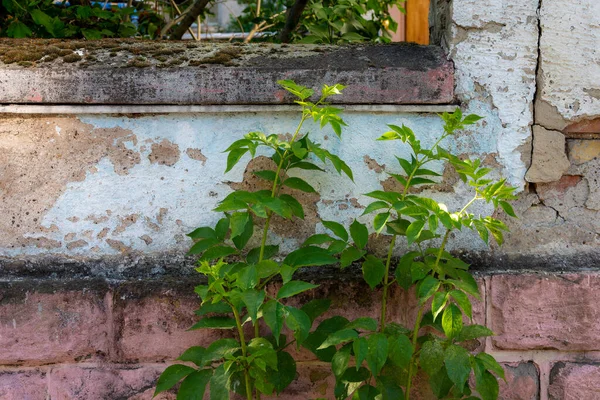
586, 126
77, 383
53, 327
546, 312
29, 385
522, 382
571, 381
155, 327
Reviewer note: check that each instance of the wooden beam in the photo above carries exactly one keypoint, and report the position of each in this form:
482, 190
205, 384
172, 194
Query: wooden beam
417, 21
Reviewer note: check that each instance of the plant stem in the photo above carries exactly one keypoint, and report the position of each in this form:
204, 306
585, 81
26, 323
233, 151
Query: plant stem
415, 336
386, 284
240, 329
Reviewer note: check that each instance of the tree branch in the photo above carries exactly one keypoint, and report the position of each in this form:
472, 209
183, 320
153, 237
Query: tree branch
292, 17
189, 17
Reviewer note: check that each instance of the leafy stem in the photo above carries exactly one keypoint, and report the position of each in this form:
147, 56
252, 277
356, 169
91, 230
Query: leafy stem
240, 330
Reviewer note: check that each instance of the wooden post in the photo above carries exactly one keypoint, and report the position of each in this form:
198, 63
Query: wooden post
417, 21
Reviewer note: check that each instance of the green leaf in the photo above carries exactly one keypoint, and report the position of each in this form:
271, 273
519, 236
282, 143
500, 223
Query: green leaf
458, 365
359, 234
273, 314
203, 233
463, 302
390, 197
398, 226
342, 336
358, 374
486, 385
316, 338
403, 270
490, 363
360, 347
238, 221
471, 332
222, 228
507, 208
439, 302
427, 288
390, 390
278, 206
266, 268
18, 30
300, 184
373, 271
431, 358
363, 324
350, 255
414, 230
202, 245
400, 350
306, 166
440, 383
380, 220
234, 157
337, 228
218, 384
339, 363
315, 308
319, 238
214, 323
376, 205
247, 277
217, 308
171, 376
366, 392
267, 175
253, 299
194, 385
309, 256
194, 354
294, 205
219, 349
285, 373
468, 287
299, 322
242, 239
217, 252
293, 288
452, 321
378, 352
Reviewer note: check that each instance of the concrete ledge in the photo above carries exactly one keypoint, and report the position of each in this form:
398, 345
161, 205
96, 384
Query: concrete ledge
41, 109
140, 73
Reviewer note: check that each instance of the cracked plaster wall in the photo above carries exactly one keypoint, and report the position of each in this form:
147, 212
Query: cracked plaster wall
123, 184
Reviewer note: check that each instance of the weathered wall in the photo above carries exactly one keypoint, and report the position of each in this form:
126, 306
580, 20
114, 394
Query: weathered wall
96, 200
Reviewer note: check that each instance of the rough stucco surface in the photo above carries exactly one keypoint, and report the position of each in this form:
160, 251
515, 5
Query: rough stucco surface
101, 185
570, 64
495, 55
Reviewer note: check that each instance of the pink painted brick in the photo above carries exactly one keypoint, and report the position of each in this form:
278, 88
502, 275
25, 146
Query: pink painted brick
62, 326
546, 312
155, 328
23, 385
106, 383
522, 382
570, 381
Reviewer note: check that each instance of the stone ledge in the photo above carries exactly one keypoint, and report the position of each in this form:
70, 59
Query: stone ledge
391, 74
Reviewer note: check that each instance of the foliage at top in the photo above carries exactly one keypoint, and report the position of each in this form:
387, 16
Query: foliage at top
329, 21
48, 19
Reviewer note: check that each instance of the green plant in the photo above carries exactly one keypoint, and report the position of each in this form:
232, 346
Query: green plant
322, 21
48, 19
235, 295
387, 356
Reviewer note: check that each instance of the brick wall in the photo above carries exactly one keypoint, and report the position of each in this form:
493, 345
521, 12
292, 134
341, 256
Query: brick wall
94, 341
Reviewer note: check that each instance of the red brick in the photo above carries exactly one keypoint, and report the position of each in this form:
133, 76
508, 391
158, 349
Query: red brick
546, 312
570, 381
23, 385
155, 328
77, 383
62, 326
522, 382
585, 126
